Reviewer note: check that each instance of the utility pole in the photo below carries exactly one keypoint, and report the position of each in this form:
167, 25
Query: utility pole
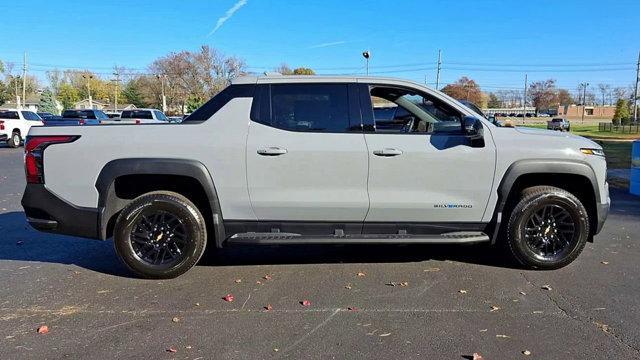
164, 98
584, 98
117, 82
439, 67
524, 99
24, 77
635, 94
15, 83
89, 77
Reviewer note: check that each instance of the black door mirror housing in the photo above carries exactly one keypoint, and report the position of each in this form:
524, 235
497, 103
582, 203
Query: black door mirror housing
472, 128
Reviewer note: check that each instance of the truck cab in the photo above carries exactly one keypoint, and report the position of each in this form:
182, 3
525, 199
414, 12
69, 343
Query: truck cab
15, 125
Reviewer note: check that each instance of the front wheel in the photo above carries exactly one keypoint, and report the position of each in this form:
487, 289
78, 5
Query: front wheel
160, 235
15, 140
548, 228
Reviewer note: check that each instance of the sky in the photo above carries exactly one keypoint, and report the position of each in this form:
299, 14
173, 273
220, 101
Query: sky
493, 42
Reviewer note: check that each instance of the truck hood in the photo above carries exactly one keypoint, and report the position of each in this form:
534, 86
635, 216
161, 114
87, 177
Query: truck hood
584, 142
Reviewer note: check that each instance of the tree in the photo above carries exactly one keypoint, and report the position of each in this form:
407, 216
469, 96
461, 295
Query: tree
619, 93
604, 91
48, 102
68, 95
622, 114
464, 88
493, 102
193, 103
303, 71
543, 94
132, 94
284, 69
55, 80
564, 97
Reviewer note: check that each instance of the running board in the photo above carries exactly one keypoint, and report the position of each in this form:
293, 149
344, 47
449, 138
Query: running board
253, 238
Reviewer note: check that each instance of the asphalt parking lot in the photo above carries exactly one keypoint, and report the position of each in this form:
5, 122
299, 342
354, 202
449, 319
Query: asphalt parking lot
448, 303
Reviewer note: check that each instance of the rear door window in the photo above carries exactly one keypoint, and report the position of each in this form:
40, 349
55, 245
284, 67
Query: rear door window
308, 107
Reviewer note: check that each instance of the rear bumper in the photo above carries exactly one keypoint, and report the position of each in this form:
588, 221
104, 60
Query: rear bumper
47, 212
4, 137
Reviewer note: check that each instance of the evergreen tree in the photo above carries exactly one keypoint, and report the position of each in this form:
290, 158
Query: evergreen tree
48, 102
133, 95
622, 114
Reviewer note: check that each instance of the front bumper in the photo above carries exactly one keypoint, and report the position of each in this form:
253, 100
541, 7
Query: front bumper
603, 210
47, 212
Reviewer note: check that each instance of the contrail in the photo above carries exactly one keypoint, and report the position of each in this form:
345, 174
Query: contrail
326, 44
228, 15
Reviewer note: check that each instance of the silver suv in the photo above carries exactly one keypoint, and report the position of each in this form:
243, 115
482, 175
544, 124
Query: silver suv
318, 160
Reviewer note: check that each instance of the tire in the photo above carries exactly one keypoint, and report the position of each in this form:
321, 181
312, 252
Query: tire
15, 140
548, 228
160, 235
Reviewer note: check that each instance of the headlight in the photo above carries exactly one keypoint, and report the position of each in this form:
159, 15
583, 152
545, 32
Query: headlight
596, 152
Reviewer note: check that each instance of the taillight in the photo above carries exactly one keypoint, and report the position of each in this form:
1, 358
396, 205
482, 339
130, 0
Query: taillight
137, 122
1, 125
33, 155
81, 122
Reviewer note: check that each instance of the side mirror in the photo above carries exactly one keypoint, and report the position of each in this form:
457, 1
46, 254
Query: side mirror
472, 127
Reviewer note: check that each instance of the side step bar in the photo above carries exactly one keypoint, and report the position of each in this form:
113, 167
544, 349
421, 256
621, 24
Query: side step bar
275, 238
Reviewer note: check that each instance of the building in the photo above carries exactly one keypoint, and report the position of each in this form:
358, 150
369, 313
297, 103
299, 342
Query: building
605, 112
32, 103
508, 111
100, 105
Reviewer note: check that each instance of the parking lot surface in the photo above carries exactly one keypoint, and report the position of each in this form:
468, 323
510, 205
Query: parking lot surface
439, 302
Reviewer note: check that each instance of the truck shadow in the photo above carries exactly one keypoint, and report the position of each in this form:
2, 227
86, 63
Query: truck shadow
19, 242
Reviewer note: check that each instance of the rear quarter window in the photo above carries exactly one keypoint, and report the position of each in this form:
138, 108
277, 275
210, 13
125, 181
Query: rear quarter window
12, 115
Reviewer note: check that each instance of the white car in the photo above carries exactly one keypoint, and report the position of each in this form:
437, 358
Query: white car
15, 125
139, 116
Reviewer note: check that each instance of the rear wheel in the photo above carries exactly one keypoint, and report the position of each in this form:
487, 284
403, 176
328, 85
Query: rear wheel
15, 140
548, 228
160, 235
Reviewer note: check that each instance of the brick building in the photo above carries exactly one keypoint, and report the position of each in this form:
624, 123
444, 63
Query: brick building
590, 112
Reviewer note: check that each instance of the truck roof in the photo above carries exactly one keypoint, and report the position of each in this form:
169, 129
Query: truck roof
277, 78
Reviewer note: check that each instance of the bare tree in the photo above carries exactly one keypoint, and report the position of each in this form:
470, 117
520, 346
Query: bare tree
604, 90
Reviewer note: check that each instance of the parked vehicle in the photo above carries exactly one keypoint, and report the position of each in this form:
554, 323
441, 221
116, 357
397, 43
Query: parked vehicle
113, 115
477, 110
15, 125
301, 161
559, 124
139, 116
72, 117
175, 119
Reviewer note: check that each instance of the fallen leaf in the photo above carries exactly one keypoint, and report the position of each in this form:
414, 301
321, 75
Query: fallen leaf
462, 291
259, 282
361, 274
43, 329
523, 293
103, 291
188, 347
384, 335
546, 287
432, 269
172, 349
526, 352
268, 307
502, 336
228, 298
484, 330
404, 283
175, 319
604, 262
603, 327
494, 308
348, 287
305, 303
237, 281
352, 308
477, 356
537, 312
197, 304
267, 277
276, 349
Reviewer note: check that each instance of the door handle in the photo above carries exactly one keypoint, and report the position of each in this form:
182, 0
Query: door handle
272, 151
387, 152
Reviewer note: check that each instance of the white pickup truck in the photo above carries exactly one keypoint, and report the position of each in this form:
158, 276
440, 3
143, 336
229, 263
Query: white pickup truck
139, 116
15, 125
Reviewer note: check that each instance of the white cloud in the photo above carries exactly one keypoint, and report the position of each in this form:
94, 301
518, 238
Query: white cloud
323, 45
228, 15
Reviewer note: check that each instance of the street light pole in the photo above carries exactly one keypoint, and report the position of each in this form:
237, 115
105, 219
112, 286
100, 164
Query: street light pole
117, 81
584, 98
89, 77
24, 77
367, 55
635, 94
164, 98
524, 99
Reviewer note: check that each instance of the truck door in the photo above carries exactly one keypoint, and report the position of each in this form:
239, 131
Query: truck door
306, 154
422, 169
